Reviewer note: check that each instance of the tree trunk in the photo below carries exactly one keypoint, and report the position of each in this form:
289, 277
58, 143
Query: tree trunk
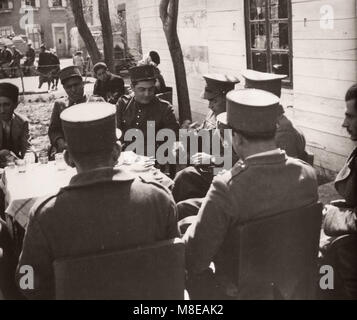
169, 15
83, 29
107, 33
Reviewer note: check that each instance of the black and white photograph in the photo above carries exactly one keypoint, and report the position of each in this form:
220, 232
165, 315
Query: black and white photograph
178, 150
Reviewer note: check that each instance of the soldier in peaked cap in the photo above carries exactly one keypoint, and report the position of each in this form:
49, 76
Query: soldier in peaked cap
72, 81
288, 137
194, 181
134, 111
241, 194
102, 209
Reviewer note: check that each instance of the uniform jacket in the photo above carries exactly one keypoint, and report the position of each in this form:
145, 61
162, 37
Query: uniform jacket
19, 142
100, 211
343, 220
132, 115
30, 55
263, 185
55, 130
110, 90
290, 139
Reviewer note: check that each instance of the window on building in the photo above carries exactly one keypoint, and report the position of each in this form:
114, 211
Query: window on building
269, 40
58, 3
31, 3
6, 31
6, 5
33, 33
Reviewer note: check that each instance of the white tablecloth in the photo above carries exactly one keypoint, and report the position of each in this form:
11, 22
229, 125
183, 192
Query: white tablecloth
22, 190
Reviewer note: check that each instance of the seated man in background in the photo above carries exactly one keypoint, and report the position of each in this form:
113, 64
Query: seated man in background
108, 86
103, 209
264, 183
72, 81
14, 133
194, 181
340, 217
134, 111
288, 137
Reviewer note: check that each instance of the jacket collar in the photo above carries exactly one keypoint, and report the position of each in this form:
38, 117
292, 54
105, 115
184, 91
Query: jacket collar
269, 157
98, 176
72, 103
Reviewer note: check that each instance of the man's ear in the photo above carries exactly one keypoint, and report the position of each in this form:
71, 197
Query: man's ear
69, 160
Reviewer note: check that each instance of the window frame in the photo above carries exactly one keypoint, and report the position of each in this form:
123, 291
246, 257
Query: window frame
286, 83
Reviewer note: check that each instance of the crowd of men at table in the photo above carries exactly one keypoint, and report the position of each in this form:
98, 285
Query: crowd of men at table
106, 207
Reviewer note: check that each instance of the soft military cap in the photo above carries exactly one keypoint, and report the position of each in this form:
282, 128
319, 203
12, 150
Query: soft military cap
143, 73
90, 127
10, 91
270, 82
252, 112
217, 84
68, 73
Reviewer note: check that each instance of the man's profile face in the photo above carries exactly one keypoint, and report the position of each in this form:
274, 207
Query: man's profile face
74, 88
144, 91
218, 104
350, 122
6, 109
102, 74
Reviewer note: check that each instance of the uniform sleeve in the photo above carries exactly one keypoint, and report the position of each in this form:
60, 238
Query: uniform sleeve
36, 254
55, 130
96, 91
25, 139
204, 238
169, 120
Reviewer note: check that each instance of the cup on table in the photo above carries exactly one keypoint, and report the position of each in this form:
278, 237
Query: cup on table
60, 163
29, 158
21, 165
43, 157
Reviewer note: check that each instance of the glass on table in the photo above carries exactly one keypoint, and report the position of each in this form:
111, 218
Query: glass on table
21, 165
29, 158
60, 162
43, 157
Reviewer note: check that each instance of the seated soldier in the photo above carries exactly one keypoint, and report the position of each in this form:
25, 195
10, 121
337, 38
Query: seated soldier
108, 86
264, 183
14, 133
340, 217
72, 81
288, 137
194, 182
134, 111
102, 209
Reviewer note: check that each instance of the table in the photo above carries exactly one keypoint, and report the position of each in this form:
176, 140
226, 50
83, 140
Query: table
22, 190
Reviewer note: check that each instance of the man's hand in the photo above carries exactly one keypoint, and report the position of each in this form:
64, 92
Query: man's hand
202, 159
61, 145
188, 125
339, 221
6, 156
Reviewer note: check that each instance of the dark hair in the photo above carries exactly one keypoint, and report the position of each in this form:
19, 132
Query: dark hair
352, 94
155, 57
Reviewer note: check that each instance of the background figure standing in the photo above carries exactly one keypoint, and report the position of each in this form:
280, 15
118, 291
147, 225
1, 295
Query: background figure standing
29, 60
16, 61
48, 67
5, 60
79, 62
